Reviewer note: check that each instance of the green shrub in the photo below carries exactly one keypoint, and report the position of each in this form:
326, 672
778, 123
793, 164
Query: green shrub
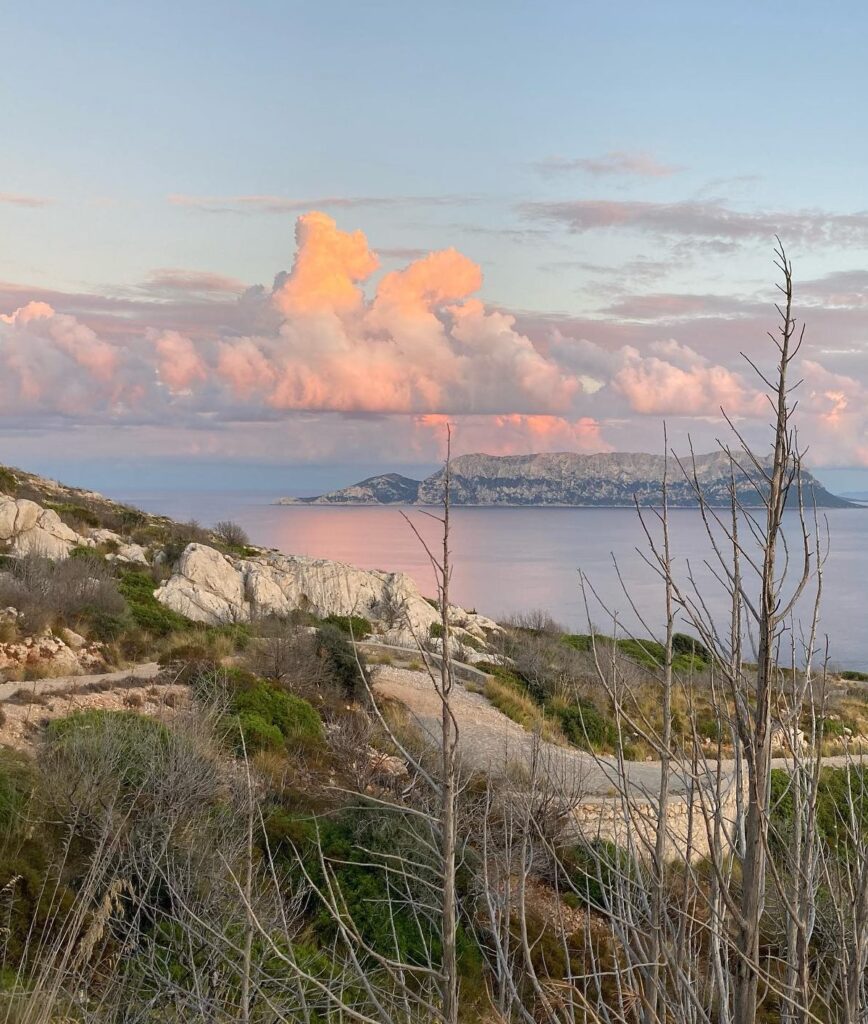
122, 749
255, 734
8, 482
855, 677
688, 654
360, 848
82, 551
583, 724
435, 630
709, 726
102, 625
356, 626
273, 717
343, 659
838, 790
595, 870
137, 588
16, 785
579, 641
73, 514
687, 645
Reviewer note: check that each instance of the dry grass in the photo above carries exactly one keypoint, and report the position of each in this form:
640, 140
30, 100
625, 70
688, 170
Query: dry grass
523, 710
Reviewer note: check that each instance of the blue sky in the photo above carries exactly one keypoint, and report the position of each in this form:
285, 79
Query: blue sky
189, 137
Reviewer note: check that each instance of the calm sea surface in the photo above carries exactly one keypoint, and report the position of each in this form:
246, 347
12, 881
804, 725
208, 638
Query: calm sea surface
512, 560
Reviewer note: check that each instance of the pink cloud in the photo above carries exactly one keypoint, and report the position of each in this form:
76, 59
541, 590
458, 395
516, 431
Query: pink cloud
614, 163
352, 351
703, 221
676, 381
179, 364
20, 199
328, 265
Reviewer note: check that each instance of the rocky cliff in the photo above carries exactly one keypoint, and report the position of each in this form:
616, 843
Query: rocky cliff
568, 479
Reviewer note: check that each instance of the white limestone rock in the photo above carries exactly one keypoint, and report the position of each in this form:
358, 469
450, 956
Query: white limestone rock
27, 529
206, 587
131, 554
210, 587
106, 537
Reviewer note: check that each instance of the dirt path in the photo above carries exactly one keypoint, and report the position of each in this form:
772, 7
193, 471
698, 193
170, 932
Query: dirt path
490, 741
148, 670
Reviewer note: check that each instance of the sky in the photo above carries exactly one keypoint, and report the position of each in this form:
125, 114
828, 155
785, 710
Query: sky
281, 245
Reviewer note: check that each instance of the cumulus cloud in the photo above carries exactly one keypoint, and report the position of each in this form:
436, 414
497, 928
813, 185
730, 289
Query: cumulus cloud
338, 348
674, 380
421, 343
51, 361
178, 363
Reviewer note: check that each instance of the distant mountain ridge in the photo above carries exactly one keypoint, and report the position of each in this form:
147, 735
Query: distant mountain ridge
566, 479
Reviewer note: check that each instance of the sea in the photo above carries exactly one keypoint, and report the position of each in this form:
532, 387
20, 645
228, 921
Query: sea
586, 567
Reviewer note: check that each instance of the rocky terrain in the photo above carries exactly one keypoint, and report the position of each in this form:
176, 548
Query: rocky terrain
200, 581
567, 479
211, 587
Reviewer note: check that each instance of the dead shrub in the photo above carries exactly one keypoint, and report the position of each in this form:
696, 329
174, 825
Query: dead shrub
46, 591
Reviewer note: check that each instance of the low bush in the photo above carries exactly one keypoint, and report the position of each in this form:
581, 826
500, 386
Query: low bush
230, 534
596, 870
177, 536
513, 700
268, 717
8, 482
145, 610
74, 515
355, 626
255, 734
342, 659
48, 592
122, 749
583, 724
688, 654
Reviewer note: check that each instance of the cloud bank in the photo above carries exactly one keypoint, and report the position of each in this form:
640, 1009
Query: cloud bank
339, 356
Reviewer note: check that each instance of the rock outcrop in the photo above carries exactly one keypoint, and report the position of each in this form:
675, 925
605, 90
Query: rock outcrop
215, 588
49, 654
568, 479
29, 529
122, 550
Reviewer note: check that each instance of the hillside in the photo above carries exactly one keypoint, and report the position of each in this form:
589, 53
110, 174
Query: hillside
567, 479
216, 806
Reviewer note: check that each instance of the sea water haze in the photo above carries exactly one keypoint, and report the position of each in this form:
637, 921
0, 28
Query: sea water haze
512, 560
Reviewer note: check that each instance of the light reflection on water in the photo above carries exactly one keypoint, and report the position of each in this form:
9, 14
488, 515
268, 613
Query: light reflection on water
508, 560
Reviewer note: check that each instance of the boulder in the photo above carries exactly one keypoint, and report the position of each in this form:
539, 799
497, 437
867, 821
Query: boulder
27, 529
206, 587
106, 537
131, 554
